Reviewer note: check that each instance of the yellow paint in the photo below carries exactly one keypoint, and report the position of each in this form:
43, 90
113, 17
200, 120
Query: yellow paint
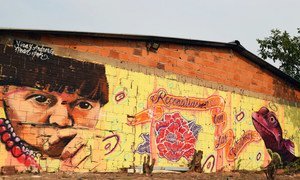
138, 86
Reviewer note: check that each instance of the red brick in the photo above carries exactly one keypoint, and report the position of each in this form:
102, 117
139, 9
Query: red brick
114, 54
191, 59
104, 52
137, 52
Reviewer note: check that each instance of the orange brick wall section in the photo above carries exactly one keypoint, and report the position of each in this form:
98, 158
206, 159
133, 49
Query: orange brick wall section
223, 66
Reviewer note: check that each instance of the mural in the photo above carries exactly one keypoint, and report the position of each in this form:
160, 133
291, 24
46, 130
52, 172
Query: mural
83, 114
45, 106
175, 137
268, 126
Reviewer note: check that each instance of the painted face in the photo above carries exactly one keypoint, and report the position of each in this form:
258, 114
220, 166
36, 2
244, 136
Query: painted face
36, 115
266, 124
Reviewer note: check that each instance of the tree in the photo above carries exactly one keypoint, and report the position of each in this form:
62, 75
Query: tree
280, 46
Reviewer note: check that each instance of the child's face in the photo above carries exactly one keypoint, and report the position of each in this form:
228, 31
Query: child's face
36, 114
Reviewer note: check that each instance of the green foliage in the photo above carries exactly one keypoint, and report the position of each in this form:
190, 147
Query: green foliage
147, 167
195, 164
275, 163
238, 164
280, 46
293, 168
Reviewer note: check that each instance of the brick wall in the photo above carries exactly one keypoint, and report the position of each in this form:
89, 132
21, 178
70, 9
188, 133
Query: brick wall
212, 64
88, 103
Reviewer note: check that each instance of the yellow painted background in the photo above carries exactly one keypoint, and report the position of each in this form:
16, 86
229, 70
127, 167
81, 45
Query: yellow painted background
138, 86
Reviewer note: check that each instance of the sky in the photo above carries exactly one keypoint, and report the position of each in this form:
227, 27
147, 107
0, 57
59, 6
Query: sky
214, 20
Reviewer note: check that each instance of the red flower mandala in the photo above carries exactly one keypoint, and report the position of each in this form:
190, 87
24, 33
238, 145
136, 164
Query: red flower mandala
174, 138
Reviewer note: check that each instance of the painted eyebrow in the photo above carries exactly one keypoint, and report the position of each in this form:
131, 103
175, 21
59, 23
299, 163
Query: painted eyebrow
33, 93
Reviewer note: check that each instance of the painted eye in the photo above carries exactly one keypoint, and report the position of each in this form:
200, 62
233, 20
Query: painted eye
40, 99
85, 105
272, 119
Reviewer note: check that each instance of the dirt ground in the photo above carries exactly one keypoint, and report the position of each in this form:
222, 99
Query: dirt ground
185, 176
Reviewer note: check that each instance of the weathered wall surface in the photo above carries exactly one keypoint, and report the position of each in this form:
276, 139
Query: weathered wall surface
76, 103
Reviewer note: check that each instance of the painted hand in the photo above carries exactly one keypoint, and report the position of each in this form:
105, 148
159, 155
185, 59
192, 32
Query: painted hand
77, 150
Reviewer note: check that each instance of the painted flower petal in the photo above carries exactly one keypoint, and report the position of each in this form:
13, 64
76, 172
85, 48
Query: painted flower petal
168, 145
161, 147
171, 156
189, 153
176, 115
187, 146
161, 136
180, 145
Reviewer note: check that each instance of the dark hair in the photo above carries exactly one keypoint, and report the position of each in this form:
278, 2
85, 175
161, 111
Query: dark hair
54, 74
